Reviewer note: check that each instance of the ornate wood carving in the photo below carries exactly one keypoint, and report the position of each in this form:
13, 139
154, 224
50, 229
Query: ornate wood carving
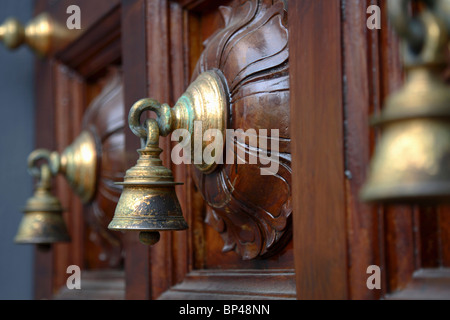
251, 211
105, 119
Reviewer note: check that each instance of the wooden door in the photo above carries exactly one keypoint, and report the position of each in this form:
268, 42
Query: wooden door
308, 68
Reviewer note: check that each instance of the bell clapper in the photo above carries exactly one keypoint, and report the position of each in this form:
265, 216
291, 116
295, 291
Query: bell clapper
43, 247
149, 238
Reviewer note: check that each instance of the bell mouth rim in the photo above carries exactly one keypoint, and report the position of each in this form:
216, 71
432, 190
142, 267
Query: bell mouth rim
121, 224
155, 184
43, 240
148, 230
384, 120
435, 192
143, 229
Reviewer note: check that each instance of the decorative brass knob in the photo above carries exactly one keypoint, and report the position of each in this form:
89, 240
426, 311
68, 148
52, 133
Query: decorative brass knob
78, 164
12, 33
43, 34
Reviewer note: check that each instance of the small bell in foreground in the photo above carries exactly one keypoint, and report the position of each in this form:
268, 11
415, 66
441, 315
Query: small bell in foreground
148, 202
43, 223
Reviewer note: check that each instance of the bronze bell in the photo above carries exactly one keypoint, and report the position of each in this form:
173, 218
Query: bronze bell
412, 160
148, 202
43, 223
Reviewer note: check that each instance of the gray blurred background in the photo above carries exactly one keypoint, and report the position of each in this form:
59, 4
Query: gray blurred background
16, 142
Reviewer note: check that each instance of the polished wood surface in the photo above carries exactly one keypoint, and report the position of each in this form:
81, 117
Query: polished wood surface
134, 60
216, 284
45, 124
318, 161
362, 98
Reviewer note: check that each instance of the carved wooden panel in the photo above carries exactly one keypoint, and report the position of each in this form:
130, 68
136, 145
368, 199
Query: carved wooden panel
105, 119
251, 211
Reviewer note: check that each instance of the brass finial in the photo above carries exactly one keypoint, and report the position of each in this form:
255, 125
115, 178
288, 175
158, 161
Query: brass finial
43, 34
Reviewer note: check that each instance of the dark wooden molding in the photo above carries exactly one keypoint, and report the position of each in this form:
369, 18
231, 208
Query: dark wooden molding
134, 61
228, 285
426, 284
45, 128
361, 98
98, 47
199, 5
96, 285
92, 11
319, 212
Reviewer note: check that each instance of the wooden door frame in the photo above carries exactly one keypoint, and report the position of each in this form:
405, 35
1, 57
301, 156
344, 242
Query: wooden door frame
317, 149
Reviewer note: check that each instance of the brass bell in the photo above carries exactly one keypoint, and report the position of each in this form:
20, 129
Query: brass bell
412, 159
43, 223
148, 202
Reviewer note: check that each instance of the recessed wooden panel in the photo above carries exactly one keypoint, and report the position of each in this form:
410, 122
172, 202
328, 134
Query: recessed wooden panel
320, 239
